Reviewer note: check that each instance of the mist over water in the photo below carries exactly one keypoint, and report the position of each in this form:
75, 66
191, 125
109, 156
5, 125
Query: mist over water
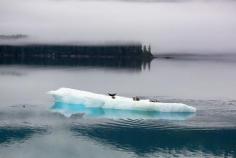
198, 39
173, 26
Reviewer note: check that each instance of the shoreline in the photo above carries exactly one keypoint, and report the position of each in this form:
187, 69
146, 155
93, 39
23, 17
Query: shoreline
55, 51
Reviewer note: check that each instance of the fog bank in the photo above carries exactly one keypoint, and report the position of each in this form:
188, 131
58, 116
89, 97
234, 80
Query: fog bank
186, 26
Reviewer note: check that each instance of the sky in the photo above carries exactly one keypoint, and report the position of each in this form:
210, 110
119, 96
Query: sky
206, 26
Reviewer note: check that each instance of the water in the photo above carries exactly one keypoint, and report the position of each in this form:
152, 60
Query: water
29, 127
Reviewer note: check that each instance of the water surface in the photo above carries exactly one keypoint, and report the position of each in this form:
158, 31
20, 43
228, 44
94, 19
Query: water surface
29, 128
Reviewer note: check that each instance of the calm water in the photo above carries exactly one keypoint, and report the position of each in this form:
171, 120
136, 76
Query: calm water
29, 128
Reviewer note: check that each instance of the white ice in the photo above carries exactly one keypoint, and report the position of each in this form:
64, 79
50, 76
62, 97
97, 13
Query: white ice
88, 99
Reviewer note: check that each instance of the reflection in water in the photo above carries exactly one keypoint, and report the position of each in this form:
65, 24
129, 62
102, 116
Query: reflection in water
14, 134
70, 109
219, 58
125, 55
121, 63
149, 138
32, 130
10, 73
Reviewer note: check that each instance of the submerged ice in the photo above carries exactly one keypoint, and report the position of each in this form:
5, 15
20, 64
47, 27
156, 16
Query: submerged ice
71, 101
75, 110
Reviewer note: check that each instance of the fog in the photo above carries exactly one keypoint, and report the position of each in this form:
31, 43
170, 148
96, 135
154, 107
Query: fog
173, 26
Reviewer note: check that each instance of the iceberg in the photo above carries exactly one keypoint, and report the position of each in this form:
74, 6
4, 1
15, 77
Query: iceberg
75, 110
90, 100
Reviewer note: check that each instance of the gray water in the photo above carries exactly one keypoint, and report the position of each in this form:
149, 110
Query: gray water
28, 127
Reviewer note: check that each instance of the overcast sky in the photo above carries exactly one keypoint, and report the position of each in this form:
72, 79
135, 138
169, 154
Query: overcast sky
180, 26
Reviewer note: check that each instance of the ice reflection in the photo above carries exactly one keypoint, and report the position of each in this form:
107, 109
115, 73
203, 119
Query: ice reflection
72, 109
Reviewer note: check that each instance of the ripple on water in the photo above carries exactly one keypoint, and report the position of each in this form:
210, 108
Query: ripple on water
211, 132
145, 136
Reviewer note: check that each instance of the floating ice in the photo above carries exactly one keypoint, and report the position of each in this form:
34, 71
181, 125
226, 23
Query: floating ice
77, 98
96, 112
